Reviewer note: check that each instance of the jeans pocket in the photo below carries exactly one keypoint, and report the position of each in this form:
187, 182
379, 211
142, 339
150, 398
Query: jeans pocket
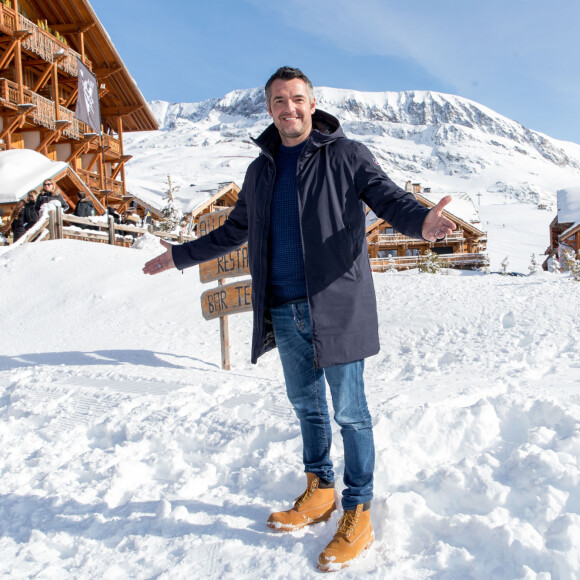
298, 315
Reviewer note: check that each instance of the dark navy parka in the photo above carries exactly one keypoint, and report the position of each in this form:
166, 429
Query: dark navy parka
336, 177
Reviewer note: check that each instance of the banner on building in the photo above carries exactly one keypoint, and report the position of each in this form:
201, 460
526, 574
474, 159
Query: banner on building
88, 110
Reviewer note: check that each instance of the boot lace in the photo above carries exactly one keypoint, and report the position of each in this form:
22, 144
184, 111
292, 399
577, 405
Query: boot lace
347, 523
306, 495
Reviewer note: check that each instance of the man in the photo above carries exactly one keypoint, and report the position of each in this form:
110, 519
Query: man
301, 209
85, 207
48, 193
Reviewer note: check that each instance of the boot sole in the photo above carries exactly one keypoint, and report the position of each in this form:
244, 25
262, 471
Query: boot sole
292, 528
331, 567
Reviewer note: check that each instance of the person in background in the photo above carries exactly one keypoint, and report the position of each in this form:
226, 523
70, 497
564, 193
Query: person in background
116, 215
85, 207
49, 193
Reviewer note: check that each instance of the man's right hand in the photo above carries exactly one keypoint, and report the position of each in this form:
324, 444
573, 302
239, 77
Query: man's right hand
162, 263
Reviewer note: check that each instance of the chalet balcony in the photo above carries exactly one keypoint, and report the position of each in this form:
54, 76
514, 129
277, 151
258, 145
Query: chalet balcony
93, 180
39, 41
44, 115
44, 112
446, 261
385, 239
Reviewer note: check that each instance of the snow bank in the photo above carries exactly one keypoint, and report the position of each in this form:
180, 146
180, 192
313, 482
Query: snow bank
22, 170
128, 453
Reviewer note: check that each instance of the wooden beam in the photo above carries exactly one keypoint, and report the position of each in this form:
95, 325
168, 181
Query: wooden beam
105, 72
42, 80
117, 111
55, 95
16, 121
72, 98
124, 159
93, 161
50, 138
8, 55
72, 27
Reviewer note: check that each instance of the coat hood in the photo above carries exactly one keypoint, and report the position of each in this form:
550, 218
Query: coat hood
325, 128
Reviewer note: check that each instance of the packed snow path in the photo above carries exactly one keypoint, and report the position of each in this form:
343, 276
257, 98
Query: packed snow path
129, 453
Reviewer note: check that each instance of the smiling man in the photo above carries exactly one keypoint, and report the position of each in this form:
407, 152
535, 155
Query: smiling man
302, 211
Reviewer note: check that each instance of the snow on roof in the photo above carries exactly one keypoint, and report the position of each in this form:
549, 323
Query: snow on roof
569, 204
460, 206
24, 169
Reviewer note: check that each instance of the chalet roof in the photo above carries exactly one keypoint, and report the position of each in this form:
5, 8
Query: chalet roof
123, 96
460, 210
569, 205
24, 169
227, 189
460, 206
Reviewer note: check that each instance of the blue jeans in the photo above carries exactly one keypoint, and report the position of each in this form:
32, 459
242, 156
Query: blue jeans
306, 388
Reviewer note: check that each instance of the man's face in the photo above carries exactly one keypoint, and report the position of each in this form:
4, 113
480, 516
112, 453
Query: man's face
291, 109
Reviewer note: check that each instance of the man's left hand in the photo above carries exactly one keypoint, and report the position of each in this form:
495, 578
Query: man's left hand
436, 226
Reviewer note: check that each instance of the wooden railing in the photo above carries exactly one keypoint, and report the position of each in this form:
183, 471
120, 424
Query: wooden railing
446, 261
7, 18
396, 238
93, 180
44, 112
40, 41
56, 225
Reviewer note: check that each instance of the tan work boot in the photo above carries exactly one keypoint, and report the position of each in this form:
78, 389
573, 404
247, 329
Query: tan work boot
354, 535
313, 506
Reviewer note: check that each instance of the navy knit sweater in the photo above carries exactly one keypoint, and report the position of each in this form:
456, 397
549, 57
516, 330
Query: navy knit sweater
286, 277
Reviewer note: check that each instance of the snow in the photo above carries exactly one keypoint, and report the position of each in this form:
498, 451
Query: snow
22, 170
129, 453
569, 204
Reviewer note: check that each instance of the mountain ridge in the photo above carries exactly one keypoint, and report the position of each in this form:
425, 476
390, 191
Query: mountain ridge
444, 141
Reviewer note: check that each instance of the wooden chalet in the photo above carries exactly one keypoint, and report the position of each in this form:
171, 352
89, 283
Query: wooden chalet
224, 198
565, 227
465, 248
41, 42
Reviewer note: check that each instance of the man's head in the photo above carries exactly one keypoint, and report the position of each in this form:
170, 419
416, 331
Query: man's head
31, 195
291, 103
81, 195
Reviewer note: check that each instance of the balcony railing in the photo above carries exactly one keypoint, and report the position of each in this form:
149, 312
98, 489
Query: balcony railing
41, 42
44, 112
93, 180
401, 238
7, 18
446, 261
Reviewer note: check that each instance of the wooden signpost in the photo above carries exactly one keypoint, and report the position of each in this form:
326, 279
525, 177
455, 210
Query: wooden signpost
226, 299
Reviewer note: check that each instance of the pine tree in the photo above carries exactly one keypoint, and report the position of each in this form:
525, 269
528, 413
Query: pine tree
534, 267
571, 264
172, 215
554, 266
430, 263
504, 266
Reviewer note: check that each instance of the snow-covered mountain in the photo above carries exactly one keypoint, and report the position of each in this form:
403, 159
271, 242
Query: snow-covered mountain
442, 141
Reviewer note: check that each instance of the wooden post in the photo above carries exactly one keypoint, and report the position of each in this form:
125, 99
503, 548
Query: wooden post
52, 224
225, 340
111, 230
55, 90
59, 232
120, 135
18, 60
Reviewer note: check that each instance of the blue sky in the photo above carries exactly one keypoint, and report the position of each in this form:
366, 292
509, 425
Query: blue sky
518, 57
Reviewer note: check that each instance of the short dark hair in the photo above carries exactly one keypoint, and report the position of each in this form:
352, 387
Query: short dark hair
287, 73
